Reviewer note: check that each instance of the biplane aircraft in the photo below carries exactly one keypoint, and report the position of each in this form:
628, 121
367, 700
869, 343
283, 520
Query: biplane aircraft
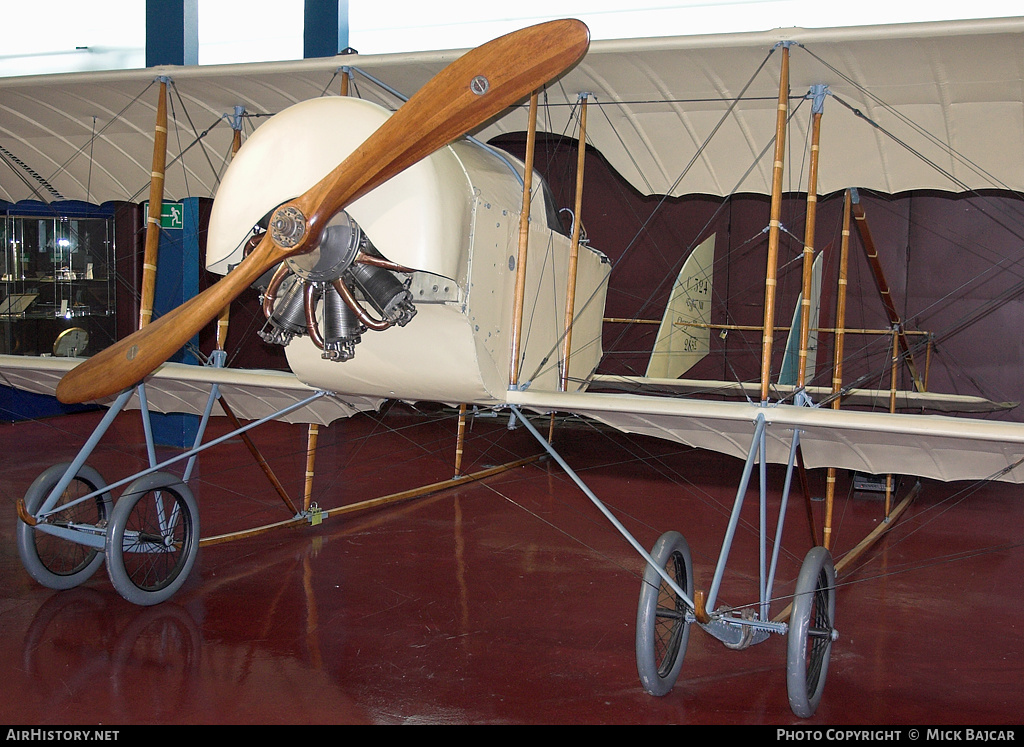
400, 259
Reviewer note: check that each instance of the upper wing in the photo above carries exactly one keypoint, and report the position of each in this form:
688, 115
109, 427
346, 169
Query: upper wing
660, 98
935, 446
177, 387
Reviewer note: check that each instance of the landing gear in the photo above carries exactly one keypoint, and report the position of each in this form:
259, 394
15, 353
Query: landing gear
669, 605
153, 538
662, 630
149, 538
47, 552
811, 632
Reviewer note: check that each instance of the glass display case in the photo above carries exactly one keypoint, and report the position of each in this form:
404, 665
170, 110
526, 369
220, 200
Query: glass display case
57, 292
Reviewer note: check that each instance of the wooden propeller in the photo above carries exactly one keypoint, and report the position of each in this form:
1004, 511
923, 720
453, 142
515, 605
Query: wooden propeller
467, 93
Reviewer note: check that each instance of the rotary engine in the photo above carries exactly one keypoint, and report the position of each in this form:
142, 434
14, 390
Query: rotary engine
346, 273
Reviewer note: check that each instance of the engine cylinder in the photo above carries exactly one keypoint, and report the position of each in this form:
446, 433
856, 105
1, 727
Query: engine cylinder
341, 327
289, 316
387, 293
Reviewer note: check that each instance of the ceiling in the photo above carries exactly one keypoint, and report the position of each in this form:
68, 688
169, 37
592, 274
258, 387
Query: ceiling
942, 105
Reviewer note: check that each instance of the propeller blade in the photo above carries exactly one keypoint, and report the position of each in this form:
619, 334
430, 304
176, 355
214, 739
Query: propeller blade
471, 90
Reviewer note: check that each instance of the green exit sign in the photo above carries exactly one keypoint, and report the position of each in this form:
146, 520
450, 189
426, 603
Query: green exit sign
172, 214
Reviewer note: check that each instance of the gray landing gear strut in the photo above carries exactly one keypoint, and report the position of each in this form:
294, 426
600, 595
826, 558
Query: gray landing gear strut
669, 605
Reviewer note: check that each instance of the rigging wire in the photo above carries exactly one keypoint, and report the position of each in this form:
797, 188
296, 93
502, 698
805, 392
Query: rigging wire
749, 244
1004, 221
953, 327
581, 145
938, 142
663, 199
116, 118
88, 184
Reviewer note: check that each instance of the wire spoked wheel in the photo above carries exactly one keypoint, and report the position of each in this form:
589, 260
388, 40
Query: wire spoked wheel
811, 629
153, 539
56, 560
662, 630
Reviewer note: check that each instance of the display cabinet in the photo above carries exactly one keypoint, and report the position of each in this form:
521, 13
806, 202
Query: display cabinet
57, 291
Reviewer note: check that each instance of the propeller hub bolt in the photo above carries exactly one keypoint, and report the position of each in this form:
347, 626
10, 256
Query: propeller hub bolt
288, 226
480, 85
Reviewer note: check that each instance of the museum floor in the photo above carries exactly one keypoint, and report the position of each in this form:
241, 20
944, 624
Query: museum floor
511, 600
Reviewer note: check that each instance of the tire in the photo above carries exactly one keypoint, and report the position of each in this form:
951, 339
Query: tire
153, 539
811, 627
662, 631
55, 562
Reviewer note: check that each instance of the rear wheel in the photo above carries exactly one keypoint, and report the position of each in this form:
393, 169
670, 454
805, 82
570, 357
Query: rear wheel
55, 561
810, 632
662, 630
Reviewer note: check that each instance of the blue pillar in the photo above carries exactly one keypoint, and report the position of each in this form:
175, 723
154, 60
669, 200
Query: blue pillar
172, 32
177, 281
325, 29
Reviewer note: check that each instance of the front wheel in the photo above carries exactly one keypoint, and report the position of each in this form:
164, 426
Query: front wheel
662, 630
55, 561
811, 632
153, 539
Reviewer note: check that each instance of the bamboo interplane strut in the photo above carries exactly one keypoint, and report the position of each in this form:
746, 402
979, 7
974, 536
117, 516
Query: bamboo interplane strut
574, 249
774, 223
524, 241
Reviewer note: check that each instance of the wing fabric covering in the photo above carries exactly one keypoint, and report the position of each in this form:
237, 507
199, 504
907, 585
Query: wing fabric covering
960, 78
933, 446
181, 388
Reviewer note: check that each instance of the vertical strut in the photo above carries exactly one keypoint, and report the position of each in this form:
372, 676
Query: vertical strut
156, 198
223, 318
808, 275
570, 294
460, 440
524, 237
774, 224
837, 360
808, 255
312, 433
892, 409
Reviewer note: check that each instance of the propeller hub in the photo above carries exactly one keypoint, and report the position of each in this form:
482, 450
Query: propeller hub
339, 245
288, 226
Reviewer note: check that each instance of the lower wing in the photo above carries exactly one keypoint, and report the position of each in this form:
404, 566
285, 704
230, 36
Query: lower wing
933, 446
182, 388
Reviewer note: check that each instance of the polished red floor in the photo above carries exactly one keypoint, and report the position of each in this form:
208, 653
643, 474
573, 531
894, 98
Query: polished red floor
511, 600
